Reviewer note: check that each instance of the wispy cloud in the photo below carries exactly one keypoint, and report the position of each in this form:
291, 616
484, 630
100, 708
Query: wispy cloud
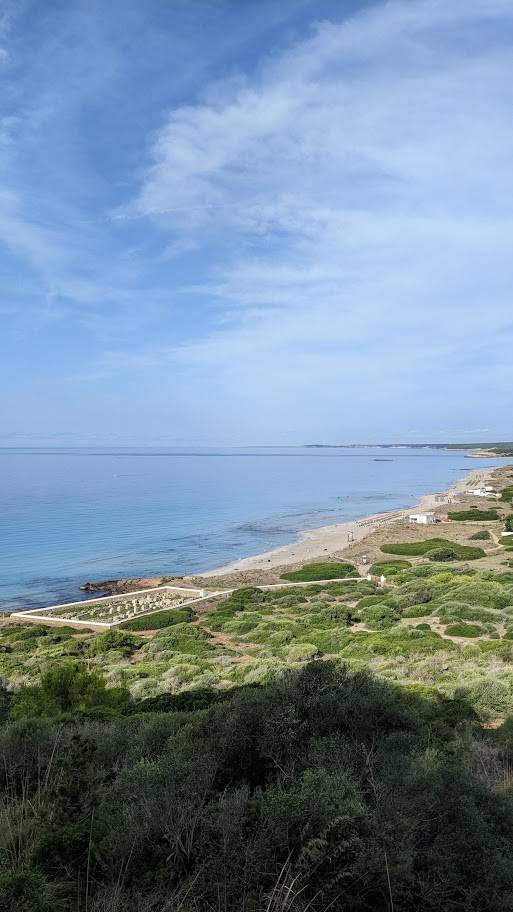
355, 198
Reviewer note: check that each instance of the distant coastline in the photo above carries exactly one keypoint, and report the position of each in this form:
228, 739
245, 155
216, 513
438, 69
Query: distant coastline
481, 450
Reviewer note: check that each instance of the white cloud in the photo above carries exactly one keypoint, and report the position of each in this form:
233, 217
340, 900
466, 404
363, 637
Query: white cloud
356, 194
373, 156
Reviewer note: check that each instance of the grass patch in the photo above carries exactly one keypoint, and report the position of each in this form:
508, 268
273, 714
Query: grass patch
312, 572
420, 548
464, 630
159, 620
482, 535
389, 568
474, 515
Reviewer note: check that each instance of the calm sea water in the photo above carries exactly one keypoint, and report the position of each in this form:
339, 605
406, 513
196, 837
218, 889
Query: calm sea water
68, 516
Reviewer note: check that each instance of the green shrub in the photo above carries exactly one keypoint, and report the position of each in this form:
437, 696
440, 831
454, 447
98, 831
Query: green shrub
241, 598
474, 514
112, 639
24, 891
301, 652
416, 611
422, 627
482, 535
430, 571
460, 611
389, 568
159, 620
463, 552
440, 555
327, 571
348, 590
184, 638
478, 592
491, 698
371, 600
507, 494
379, 617
68, 689
464, 630
414, 593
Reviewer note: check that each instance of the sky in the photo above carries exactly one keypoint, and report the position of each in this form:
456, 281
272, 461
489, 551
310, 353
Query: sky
250, 222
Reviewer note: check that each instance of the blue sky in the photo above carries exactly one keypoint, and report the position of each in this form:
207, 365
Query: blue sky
242, 221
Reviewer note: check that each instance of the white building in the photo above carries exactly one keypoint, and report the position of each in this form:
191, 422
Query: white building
483, 492
423, 519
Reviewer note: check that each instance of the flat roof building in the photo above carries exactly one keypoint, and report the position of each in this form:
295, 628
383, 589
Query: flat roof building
423, 519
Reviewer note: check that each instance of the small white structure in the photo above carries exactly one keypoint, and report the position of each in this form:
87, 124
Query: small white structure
506, 534
483, 492
423, 519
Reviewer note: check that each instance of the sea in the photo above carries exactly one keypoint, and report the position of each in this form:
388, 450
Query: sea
74, 515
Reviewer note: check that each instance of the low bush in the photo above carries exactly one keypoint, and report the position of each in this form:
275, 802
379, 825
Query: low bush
464, 630
420, 548
486, 594
159, 620
416, 611
415, 593
441, 555
379, 617
482, 535
491, 697
430, 571
348, 590
68, 689
371, 600
301, 652
389, 568
327, 571
450, 611
112, 639
507, 494
474, 515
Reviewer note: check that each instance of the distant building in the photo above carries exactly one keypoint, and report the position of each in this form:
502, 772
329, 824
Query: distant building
483, 492
423, 519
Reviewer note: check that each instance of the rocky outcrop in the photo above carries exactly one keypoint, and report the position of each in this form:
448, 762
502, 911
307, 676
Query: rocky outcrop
118, 586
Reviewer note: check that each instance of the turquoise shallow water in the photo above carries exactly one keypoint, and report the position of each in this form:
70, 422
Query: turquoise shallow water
68, 516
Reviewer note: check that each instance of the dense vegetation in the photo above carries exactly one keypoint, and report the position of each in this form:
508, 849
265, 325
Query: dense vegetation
290, 750
419, 548
254, 635
321, 790
312, 572
507, 494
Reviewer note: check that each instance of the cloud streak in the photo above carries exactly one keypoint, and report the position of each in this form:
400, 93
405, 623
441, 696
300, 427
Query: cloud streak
358, 189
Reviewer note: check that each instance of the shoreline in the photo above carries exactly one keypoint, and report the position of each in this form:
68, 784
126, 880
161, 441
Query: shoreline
326, 540
324, 543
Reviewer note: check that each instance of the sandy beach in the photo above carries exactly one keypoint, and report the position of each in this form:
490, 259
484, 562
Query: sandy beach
331, 540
